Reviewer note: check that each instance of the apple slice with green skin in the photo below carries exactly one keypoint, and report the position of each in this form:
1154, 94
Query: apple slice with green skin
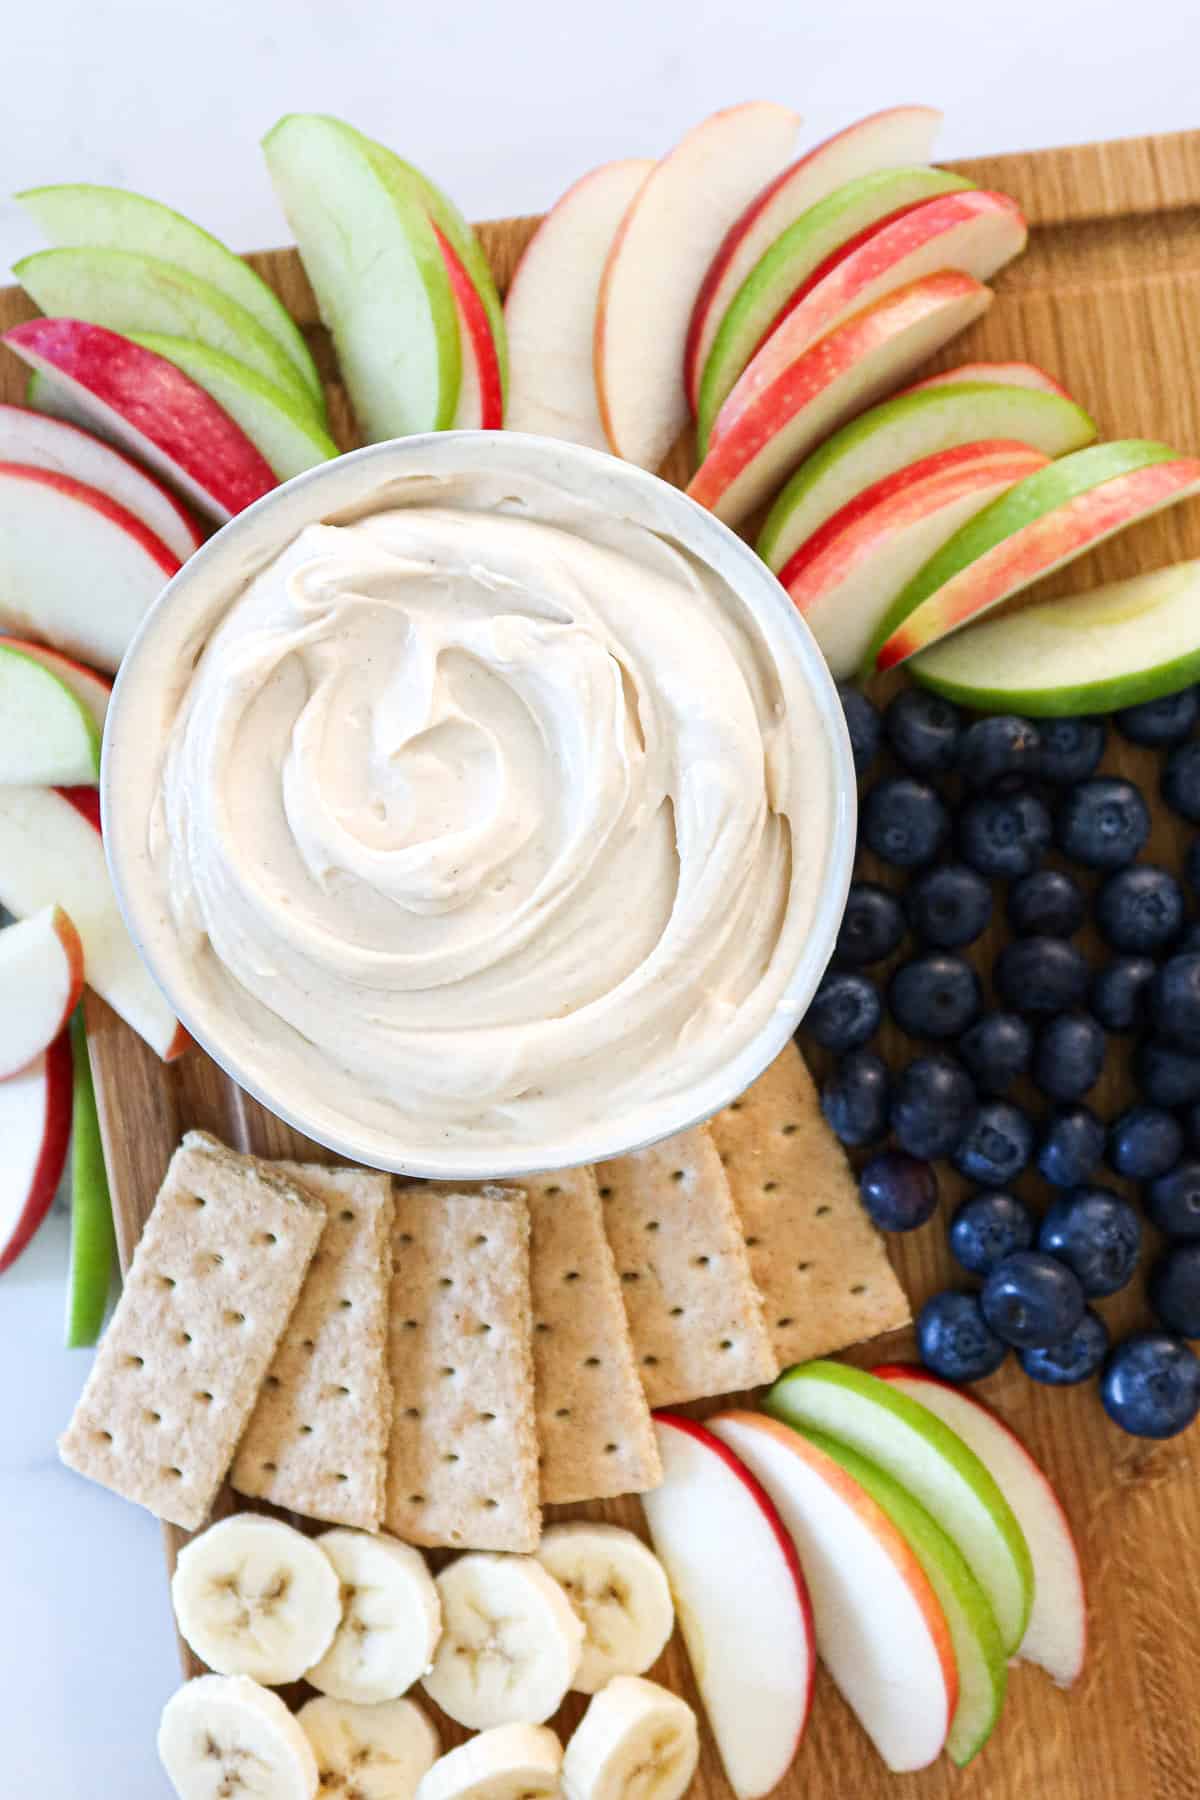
843, 372
35, 1128
880, 1629
93, 1239
48, 737
1042, 524
481, 390
369, 249
843, 578
884, 140
93, 691
1008, 374
928, 1460
41, 978
1056, 1637
78, 215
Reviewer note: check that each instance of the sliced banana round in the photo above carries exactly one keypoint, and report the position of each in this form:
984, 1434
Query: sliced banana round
509, 1762
223, 1734
391, 1619
369, 1752
254, 1597
620, 1591
636, 1741
511, 1642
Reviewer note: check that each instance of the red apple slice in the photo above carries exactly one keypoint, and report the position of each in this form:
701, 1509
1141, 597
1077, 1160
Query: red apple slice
481, 393
665, 242
741, 1600
35, 1125
1006, 374
883, 140
91, 690
833, 379
41, 979
150, 408
550, 308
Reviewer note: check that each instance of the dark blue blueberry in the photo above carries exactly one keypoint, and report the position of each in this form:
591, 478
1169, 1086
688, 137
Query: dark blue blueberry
922, 729
1071, 749
1048, 903
1076, 1359
998, 750
1102, 823
1144, 1142
1151, 1385
1191, 865
1070, 1145
872, 926
854, 1098
987, 1228
1097, 1234
996, 1049
844, 1012
1192, 1119
932, 1102
863, 724
1041, 975
954, 1339
1173, 1289
1157, 723
1031, 1300
1173, 1201
1140, 909
996, 1145
935, 996
948, 906
899, 1191
904, 822
1175, 1000
1120, 992
1180, 785
1069, 1056
1002, 834
1165, 1075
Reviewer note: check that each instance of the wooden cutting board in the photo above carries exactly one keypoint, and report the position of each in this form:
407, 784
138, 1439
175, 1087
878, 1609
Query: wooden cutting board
1108, 299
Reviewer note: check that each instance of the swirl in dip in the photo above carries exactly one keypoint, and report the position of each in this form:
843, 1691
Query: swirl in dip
484, 812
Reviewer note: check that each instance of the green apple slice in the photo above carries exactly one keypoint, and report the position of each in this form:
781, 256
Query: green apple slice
380, 279
978, 1646
80, 214
931, 1462
93, 1242
286, 434
48, 738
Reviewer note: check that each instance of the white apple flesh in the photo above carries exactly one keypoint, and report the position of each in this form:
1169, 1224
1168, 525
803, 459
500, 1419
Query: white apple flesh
35, 1126
93, 691
41, 979
1003, 374
47, 735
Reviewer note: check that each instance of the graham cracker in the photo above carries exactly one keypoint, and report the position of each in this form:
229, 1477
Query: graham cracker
317, 1438
212, 1284
462, 1458
694, 1313
818, 1261
594, 1428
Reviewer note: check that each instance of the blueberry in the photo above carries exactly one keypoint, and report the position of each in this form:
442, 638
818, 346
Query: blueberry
1048, 902
863, 724
1069, 1056
1173, 1201
872, 926
1157, 723
1002, 834
935, 996
854, 1099
987, 1228
1031, 1300
1191, 865
996, 1145
1144, 1142
922, 729
1175, 1000
1075, 1359
904, 822
844, 1012
998, 749
948, 906
1102, 823
1041, 975
932, 1102
899, 1191
1180, 785
1140, 909
1120, 992
954, 1339
1070, 1146
1165, 1075
1151, 1385
1174, 1289
1071, 749
996, 1049
1097, 1234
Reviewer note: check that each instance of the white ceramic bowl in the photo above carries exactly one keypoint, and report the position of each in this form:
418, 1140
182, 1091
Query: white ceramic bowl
176, 630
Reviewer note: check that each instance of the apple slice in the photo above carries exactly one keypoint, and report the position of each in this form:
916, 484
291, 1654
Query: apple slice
845, 576
827, 383
51, 853
935, 1467
1009, 374
47, 734
148, 407
91, 690
35, 1126
41, 978
550, 307
481, 390
666, 240
93, 1240
1044, 523
1056, 1637
883, 140
741, 1601
880, 1629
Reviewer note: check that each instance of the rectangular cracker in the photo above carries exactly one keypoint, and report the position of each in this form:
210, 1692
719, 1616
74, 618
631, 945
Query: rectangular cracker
317, 1438
819, 1262
694, 1313
212, 1284
594, 1431
462, 1460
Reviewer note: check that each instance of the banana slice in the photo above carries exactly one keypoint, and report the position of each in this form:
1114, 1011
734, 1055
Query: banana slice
511, 1642
254, 1597
510, 1762
223, 1734
391, 1619
619, 1589
636, 1741
369, 1752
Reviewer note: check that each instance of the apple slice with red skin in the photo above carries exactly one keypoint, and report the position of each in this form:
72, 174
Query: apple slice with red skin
744, 1615
92, 690
480, 405
35, 1126
1006, 374
41, 978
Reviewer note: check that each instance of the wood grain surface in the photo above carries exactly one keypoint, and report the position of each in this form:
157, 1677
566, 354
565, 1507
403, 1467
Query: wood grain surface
1108, 299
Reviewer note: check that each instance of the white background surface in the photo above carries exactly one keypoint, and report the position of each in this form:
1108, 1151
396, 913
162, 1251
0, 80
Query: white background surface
504, 105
